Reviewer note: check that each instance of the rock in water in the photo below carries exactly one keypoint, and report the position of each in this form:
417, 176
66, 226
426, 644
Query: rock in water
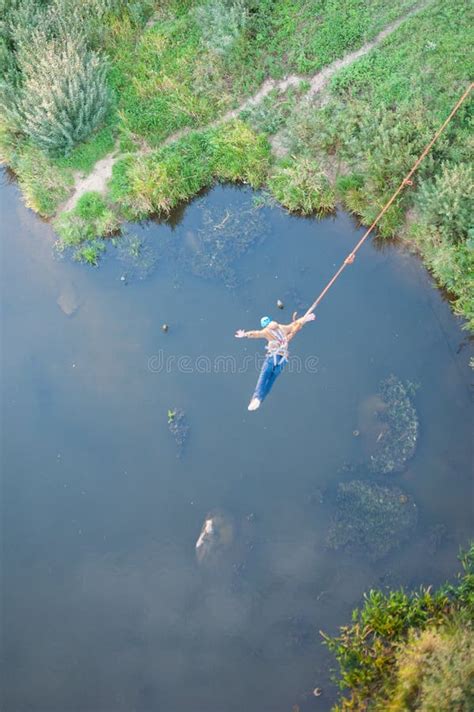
68, 300
371, 517
179, 428
217, 535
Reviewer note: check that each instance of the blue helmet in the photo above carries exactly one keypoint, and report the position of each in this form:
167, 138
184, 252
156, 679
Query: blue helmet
265, 321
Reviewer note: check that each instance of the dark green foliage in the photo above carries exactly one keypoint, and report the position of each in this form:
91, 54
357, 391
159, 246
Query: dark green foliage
371, 518
398, 441
368, 651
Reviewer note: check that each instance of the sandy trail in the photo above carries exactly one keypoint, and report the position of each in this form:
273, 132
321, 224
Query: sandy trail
98, 179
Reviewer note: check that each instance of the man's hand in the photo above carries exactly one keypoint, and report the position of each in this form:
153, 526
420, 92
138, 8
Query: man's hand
240, 334
308, 317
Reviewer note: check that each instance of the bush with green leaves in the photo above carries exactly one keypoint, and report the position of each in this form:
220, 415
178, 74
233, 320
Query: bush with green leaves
410, 651
447, 202
221, 23
64, 94
302, 187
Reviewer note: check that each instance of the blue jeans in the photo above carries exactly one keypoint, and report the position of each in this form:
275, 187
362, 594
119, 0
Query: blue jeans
272, 367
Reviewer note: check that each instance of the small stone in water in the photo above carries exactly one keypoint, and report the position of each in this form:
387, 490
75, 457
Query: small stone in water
280, 304
355, 433
317, 692
165, 328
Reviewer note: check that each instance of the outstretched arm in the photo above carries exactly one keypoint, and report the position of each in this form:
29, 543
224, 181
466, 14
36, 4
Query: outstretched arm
241, 334
297, 324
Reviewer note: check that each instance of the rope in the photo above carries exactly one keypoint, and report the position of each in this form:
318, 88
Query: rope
406, 181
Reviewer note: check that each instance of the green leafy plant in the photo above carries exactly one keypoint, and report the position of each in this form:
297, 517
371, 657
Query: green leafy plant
377, 652
221, 23
447, 202
64, 95
302, 187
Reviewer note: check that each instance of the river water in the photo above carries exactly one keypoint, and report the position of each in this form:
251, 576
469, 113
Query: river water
104, 605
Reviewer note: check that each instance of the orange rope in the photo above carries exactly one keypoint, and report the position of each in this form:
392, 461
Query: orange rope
406, 181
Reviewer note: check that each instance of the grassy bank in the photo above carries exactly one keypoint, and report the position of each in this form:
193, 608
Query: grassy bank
134, 74
406, 652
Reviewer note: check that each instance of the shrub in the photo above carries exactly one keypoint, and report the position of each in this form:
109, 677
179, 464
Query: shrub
221, 23
372, 652
302, 187
447, 201
435, 671
64, 95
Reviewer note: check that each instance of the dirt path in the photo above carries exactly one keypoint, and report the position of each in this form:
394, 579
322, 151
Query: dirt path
97, 180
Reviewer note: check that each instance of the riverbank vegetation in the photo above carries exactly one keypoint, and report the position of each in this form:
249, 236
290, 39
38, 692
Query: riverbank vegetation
407, 652
163, 87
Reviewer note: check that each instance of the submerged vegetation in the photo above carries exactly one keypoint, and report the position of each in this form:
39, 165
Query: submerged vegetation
400, 427
179, 428
407, 652
372, 518
80, 80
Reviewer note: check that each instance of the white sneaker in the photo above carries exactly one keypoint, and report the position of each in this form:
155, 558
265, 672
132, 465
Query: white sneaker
254, 404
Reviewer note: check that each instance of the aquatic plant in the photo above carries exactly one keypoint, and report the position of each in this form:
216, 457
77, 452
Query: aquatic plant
410, 651
137, 255
398, 441
371, 518
178, 427
224, 236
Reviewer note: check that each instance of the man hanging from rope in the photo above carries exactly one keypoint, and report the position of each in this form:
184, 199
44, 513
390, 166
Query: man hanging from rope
278, 337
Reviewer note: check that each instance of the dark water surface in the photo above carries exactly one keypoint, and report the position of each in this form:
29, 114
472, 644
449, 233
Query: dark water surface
105, 607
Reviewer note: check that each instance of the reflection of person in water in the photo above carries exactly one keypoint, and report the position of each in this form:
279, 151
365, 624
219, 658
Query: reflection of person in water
278, 337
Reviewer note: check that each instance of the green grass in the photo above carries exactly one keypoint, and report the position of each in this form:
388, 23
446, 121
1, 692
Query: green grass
157, 182
44, 184
85, 155
80, 230
167, 79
